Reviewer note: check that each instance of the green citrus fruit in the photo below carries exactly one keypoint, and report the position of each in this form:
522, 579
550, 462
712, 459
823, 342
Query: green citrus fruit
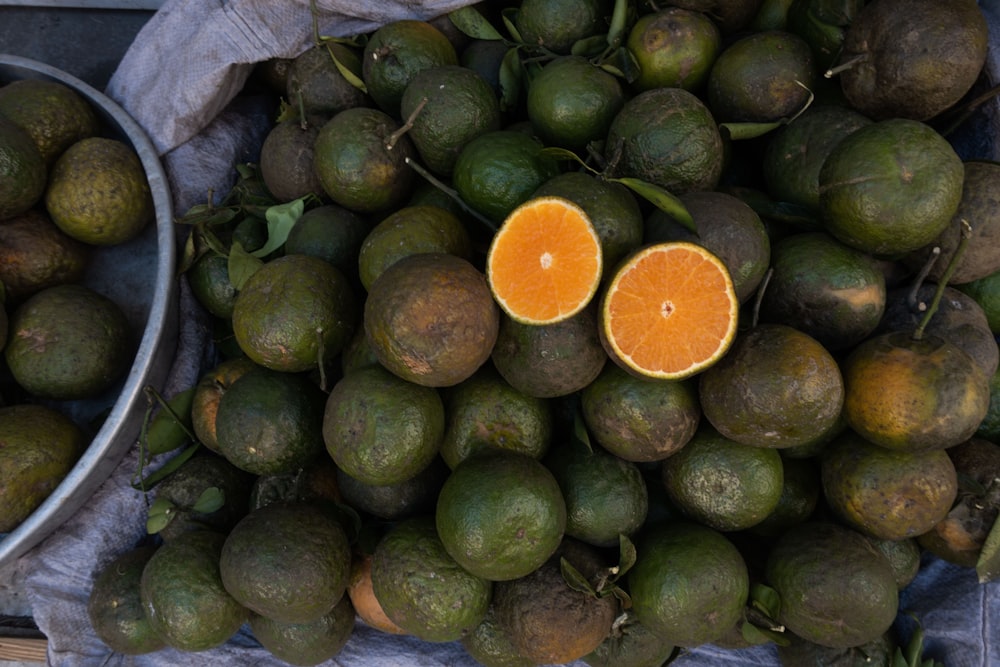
689, 583
68, 342
35, 254
630, 644
270, 422
571, 102
294, 314
611, 207
407, 231
836, 589
501, 515
490, 645
668, 137
315, 84
550, 360
209, 390
330, 232
23, 169
556, 25
182, 593
884, 493
287, 157
450, 105
800, 494
360, 164
776, 387
114, 608
605, 495
890, 187
211, 286
382, 429
549, 620
287, 561
674, 47
722, 483
824, 288
414, 496
431, 319
395, 53
38, 447
761, 77
98, 192
309, 643
986, 292
54, 114
485, 411
422, 588
639, 419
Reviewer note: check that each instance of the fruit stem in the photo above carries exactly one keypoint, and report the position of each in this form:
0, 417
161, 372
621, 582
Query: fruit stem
405, 127
939, 292
430, 178
964, 112
833, 71
760, 297
911, 298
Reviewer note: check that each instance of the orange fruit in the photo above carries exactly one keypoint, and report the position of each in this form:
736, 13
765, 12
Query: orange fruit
544, 263
670, 311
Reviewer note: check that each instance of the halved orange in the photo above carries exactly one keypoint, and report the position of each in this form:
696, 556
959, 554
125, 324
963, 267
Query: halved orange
670, 311
544, 263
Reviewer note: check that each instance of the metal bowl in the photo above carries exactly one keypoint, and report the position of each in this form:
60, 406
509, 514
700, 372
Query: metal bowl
139, 276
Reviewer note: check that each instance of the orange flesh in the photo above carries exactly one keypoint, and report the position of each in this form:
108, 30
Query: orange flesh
545, 262
671, 311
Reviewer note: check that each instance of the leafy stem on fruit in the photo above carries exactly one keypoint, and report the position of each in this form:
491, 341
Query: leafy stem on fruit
966, 233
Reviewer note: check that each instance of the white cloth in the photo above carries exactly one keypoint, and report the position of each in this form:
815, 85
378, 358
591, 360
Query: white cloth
179, 80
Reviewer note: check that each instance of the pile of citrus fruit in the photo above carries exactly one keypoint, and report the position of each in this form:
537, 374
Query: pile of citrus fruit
580, 329
67, 186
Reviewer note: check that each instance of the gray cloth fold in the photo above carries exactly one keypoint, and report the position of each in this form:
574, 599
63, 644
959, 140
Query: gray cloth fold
180, 80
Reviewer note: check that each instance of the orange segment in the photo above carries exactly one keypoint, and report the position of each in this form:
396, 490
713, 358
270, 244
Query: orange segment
670, 311
544, 263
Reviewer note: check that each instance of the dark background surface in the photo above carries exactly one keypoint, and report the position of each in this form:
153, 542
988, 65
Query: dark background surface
87, 43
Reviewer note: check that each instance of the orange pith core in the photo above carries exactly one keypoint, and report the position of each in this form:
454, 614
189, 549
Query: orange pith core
544, 263
671, 311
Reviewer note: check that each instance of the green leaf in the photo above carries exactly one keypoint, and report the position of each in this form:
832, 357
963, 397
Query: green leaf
588, 47
242, 265
619, 23
161, 512
574, 579
511, 75
755, 636
622, 63
166, 469
988, 565
766, 599
280, 220
508, 15
469, 21
347, 73
170, 429
626, 555
580, 433
659, 197
210, 500
741, 131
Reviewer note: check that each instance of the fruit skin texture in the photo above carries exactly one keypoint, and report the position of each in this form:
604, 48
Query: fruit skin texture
278, 311
23, 169
667, 136
114, 608
420, 586
38, 448
674, 47
182, 592
689, 583
287, 561
835, 589
500, 515
382, 429
98, 192
922, 57
68, 342
890, 187
776, 387
306, 643
35, 254
912, 395
887, 494
431, 319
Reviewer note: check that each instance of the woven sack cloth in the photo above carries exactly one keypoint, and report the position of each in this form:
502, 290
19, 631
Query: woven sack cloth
180, 80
